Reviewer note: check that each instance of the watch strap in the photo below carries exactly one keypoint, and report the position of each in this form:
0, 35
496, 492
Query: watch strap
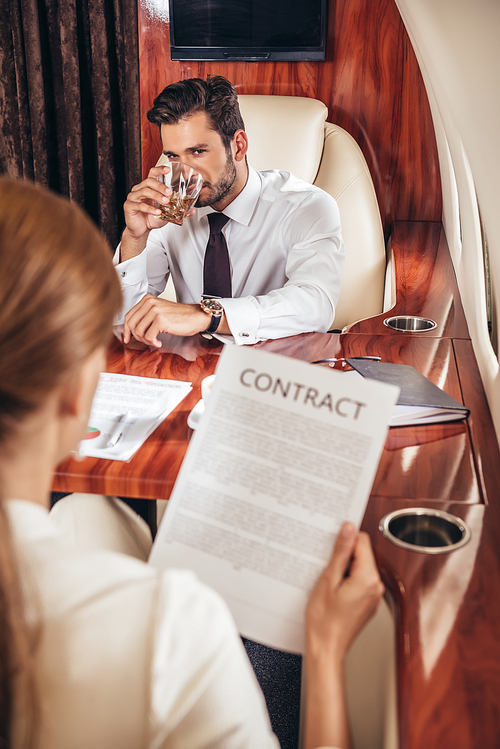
214, 324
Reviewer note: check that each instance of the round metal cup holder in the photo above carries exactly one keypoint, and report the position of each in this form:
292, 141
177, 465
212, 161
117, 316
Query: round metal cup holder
424, 530
410, 323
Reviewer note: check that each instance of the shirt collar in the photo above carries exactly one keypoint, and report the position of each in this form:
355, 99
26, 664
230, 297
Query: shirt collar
240, 209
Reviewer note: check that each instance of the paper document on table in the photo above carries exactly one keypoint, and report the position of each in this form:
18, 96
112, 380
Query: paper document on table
125, 411
284, 453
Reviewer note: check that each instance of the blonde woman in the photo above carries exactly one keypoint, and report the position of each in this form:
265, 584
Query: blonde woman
96, 648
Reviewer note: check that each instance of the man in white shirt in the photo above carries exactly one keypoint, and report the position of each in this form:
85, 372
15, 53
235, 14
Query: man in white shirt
284, 239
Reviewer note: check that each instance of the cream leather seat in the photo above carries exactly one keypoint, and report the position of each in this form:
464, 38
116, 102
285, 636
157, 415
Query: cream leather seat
291, 133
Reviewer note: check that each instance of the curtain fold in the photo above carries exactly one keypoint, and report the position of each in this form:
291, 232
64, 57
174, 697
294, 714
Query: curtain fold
69, 101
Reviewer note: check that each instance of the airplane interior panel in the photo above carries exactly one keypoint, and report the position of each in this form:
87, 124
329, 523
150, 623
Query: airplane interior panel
399, 122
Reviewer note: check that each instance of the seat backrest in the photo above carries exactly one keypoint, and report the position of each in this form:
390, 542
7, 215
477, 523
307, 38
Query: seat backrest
291, 133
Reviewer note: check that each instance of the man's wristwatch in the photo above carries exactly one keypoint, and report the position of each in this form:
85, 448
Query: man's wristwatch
214, 308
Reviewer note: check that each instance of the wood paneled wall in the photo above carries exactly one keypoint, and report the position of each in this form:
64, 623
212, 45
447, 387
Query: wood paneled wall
370, 82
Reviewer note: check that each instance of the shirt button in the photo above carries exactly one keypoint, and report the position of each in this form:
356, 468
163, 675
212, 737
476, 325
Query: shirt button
123, 273
245, 335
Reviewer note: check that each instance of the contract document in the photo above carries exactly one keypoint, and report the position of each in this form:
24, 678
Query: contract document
284, 454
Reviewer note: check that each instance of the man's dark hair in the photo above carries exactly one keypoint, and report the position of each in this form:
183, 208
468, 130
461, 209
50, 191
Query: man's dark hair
216, 96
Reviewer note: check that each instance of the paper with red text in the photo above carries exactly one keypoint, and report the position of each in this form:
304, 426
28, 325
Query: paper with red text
284, 453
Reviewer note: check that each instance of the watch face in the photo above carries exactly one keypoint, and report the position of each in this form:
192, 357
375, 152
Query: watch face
212, 305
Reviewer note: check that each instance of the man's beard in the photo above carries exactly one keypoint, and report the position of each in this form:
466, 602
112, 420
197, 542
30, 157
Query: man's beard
221, 188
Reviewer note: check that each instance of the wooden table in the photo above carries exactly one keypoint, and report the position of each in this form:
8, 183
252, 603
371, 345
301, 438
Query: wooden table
434, 462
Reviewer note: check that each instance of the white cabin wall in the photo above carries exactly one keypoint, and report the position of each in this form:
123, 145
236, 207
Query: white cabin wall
457, 43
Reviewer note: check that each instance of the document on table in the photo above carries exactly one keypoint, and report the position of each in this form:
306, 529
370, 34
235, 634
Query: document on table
419, 402
284, 453
125, 411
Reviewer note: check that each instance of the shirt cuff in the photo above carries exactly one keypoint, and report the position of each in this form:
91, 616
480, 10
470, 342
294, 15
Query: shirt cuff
131, 272
243, 319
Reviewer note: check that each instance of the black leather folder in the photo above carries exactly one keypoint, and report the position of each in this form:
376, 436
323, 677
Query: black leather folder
420, 401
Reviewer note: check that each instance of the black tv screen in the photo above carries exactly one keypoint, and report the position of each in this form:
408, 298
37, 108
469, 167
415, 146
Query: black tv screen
252, 30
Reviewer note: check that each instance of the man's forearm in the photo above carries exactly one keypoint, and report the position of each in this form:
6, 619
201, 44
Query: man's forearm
131, 246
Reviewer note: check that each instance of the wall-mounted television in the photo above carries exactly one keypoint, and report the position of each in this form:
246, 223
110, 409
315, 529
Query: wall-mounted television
249, 30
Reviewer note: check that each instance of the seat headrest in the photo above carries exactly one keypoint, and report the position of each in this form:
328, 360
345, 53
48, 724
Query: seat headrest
284, 132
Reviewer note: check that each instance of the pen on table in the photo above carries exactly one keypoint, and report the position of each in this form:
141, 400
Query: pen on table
118, 429
334, 359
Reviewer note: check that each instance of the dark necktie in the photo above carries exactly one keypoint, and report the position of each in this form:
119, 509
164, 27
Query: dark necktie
216, 268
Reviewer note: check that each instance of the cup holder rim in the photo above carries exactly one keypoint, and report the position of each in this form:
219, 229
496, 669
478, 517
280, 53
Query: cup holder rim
453, 519
388, 320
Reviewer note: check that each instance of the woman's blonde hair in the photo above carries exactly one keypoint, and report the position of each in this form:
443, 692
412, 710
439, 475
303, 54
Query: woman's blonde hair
59, 294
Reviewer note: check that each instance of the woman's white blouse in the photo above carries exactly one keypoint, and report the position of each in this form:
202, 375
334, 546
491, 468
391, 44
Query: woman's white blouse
127, 657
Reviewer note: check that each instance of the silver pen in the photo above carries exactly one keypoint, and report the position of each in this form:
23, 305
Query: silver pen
343, 359
118, 429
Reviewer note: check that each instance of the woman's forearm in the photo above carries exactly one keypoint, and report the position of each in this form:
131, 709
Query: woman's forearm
326, 721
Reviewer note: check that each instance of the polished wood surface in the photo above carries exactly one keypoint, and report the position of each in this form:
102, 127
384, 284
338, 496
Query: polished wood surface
150, 473
436, 461
425, 284
447, 610
370, 82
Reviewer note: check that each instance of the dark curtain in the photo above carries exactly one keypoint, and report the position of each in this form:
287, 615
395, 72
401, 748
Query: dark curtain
69, 100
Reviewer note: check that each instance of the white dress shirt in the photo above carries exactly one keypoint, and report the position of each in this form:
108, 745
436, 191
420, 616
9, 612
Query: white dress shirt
127, 657
286, 254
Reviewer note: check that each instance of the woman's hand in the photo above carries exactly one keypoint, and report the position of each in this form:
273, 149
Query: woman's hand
346, 595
